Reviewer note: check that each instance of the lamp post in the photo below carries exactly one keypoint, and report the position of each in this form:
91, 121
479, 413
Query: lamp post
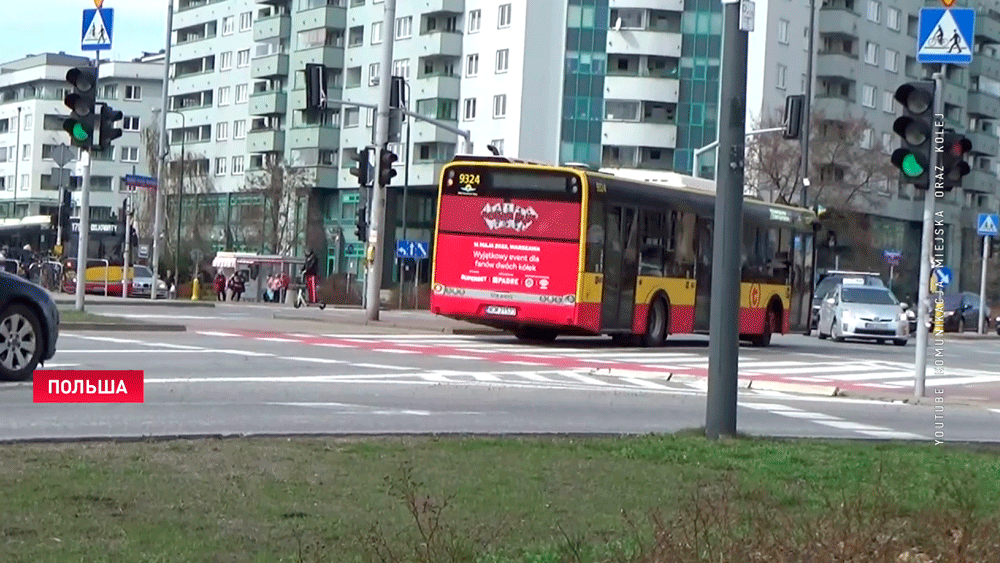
180, 195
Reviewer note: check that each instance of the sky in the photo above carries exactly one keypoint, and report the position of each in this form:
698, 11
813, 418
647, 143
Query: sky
41, 26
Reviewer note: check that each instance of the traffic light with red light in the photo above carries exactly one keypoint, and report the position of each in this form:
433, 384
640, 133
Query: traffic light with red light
107, 131
915, 128
361, 171
81, 102
361, 224
953, 165
385, 170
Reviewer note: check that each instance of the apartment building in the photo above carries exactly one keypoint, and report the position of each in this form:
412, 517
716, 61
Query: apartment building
32, 90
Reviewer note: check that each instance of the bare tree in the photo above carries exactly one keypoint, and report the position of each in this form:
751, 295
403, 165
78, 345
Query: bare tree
280, 186
849, 168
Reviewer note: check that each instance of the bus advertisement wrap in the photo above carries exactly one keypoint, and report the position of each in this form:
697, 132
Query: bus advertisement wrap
528, 218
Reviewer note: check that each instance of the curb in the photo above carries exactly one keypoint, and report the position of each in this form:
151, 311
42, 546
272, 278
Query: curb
122, 327
142, 303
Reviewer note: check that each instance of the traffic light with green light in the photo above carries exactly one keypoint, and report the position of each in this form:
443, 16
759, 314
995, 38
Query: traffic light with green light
915, 127
81, 102
953, 165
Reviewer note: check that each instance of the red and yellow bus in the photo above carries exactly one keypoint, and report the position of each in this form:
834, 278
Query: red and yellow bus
544, 250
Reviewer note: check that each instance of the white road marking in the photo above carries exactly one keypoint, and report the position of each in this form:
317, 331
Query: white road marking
275, 339
520, 363
313, 360
457, 357
213, 333
379, 366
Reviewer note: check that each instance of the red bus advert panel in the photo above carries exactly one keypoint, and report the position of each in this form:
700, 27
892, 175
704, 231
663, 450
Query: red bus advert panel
513, 217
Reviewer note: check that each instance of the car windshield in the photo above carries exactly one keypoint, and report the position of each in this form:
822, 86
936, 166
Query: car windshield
142, 272
867, 296
827, 284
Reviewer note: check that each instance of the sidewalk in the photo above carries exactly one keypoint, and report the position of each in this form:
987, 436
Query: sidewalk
68, 299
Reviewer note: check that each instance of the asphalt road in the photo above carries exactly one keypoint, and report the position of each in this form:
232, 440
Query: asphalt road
298, 377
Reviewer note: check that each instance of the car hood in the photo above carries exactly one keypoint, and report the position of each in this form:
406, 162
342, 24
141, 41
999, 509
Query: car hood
871, 312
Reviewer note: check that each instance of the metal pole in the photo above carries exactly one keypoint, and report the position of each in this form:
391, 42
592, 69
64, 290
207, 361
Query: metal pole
180, 198
982, 286
807, 109
714, 144
164, 148
892, 271
17, 163
406, 188
924, 316
724, 347
83, 240
373, 279
126, 255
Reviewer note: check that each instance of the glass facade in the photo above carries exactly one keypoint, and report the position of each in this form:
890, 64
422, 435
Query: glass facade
583, 88
698, 107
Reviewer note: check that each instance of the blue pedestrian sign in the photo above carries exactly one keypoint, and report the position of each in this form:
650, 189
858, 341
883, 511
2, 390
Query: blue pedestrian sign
988, 224
97, 25
942, 276
411, 249
892, 257
946, 35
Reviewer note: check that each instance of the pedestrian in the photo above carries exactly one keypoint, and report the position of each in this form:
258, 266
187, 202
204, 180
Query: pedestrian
309, 270
219, 285
237, 285
171, 288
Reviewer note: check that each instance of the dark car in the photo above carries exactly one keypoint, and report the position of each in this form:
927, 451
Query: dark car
961, 312
830, 279
29, 327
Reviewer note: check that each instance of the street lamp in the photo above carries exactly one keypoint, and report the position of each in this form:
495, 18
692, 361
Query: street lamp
180, 195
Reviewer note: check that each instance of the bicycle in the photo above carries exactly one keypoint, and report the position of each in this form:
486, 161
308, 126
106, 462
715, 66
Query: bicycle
301, 299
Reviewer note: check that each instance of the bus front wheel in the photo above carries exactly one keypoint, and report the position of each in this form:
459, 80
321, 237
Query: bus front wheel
656, 324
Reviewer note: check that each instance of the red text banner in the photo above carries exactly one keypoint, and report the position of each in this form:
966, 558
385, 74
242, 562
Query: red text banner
88, 386
507, 264
515, 217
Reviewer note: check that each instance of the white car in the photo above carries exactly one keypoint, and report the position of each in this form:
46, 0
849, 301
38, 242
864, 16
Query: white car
143, 281
864, 312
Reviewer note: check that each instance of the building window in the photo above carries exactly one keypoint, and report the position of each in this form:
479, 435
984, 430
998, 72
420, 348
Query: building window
351, 116
227, 25
243, 58
783, 31
404, 27
246, 21
401, 67
133, 93
130, 154
874, 11
222, 131
503, 60
240, 129
891, 60
888, 102
621, 110
226, 60
238, 163
892, 19
499, 106
27, 122
871, 53
475, 20
779, 79
220, 166
224, 96
886, 140
470, 109
472, 65
504, 17
241, 93
868, 96
130, 123
369, 117
25, 152
376, 33
498, 145
867, 139
373, 74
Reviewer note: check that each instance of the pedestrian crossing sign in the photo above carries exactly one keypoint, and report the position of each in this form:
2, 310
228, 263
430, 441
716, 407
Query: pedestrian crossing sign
946, 35
97, 25
988, 224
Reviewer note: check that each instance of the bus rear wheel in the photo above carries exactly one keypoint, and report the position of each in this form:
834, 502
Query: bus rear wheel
764, 338
656, 324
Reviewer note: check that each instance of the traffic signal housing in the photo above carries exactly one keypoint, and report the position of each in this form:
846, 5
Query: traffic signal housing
915, 128
385, 169
953, 165
65, 212
361, 225
81, 102
107, 129
361, 171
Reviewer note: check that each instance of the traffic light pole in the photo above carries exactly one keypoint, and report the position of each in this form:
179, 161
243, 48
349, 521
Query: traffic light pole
924, 316
373, 278
83, 238
164, 149
982, 286
724, 345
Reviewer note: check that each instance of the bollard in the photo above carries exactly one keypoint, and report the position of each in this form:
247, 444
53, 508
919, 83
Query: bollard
195, 290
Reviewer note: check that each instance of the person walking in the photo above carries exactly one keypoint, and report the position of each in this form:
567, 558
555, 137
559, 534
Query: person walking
219, 285
309, 270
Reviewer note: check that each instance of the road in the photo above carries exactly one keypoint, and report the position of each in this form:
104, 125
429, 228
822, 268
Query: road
299, 377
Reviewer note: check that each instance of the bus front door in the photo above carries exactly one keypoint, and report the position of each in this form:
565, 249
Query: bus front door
621, 265
703, 275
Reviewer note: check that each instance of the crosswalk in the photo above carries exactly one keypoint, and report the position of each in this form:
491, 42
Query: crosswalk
514, 356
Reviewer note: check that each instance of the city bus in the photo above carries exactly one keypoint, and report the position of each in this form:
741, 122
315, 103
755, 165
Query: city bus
541, 250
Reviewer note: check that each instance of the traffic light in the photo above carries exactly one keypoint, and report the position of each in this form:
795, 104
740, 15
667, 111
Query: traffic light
362, 225
363, 167
107, 130
792, 121
915, 128
65, 212
953, 165
385, 170
81, 102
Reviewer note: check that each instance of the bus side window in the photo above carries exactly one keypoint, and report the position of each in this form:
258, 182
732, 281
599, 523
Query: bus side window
595, 237
652, 237
684, 245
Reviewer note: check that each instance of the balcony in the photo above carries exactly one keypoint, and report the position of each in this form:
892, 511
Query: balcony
272, 27
440, 43
983, 104
980, 181
326, 138
617, 87
984, 143
266, 140
841, 23
324, 16
837, 64
984, 65
268, 103
638, 42
424, 132
269, 66
330, 57
436, 86
670, 5
833, 106
297, 98
658, 135
987, 30
435, 6
320, 176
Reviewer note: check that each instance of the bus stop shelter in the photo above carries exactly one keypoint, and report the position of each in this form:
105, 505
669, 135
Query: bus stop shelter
258, 268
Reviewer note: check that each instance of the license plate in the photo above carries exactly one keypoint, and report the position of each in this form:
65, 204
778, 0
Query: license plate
872, 326
505, 311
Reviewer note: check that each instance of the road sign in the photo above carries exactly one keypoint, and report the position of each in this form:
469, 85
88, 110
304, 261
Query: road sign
411, 249
143, 250
988, 224
354, 250
97, 26
60, 177
62, 155
892, 257
747, 10
133, 180
946, 35
942, 277
197, 255
99, 3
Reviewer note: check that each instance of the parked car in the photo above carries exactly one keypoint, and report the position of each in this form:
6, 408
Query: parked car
961, 312
29, 327
997, 324
831, 278
856, 310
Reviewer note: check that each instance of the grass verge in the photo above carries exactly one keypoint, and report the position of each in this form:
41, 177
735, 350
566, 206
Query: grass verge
645, 499
74, 316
